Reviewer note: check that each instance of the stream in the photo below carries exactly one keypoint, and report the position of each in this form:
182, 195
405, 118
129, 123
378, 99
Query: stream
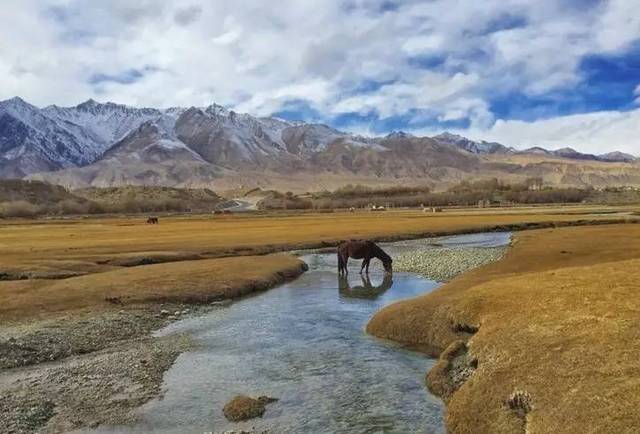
304, 343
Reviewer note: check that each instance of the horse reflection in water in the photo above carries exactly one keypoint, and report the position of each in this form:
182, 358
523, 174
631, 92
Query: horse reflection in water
366, 290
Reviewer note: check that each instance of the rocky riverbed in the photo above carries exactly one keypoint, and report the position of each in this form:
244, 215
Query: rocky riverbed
444, 263
84, 369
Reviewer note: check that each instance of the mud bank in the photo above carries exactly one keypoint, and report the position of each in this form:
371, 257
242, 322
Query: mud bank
541, 341
73, 368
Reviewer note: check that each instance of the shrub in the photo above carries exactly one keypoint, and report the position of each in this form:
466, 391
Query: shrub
70, 206
19, 208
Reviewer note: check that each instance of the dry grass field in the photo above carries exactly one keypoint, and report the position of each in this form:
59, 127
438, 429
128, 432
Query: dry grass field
52, 265
64, 248
551, 333
184, 281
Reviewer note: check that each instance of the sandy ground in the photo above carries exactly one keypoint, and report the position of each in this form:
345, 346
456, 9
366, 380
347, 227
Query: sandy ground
545, 340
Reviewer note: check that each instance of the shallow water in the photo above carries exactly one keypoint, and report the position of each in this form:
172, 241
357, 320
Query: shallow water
304, 343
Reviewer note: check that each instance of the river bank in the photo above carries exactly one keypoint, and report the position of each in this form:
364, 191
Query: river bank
84, 355
542, 341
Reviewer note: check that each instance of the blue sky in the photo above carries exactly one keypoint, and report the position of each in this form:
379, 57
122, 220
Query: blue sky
546, 72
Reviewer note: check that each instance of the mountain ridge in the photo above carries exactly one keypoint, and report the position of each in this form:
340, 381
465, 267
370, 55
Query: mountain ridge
112, 144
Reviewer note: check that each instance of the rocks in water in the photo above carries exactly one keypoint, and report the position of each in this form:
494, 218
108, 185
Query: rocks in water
444, 264
223, 303
243, 407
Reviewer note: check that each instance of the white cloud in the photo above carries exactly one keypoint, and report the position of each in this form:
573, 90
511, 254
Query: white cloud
596, 133
429, 91
266, 103
619, 25
231, 32
255, 57
421, 45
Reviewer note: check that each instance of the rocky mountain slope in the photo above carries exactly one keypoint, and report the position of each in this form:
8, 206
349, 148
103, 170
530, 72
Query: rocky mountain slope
109, 144
35, 192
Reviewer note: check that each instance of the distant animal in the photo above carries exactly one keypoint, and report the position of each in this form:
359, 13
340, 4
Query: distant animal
217, 212
352, 209
152, 221
365, 250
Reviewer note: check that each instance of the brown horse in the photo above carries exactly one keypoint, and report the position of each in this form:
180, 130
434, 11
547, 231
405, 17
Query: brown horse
152, 221
365, 250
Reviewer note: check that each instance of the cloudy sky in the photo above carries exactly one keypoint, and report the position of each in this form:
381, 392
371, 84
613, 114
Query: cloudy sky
552, 73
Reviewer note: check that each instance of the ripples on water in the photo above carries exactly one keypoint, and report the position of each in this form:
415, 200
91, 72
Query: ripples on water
304, 343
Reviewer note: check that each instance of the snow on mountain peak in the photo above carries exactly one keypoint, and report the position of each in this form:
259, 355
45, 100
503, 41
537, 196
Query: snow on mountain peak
217, 110
55, 137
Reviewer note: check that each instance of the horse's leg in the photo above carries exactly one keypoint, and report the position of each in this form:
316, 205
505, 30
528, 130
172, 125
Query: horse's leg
364, 262
339, 263
345, 264
368, 262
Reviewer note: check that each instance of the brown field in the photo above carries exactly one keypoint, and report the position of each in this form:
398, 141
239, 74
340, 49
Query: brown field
556, 319
64, 248
80, 263
184, 281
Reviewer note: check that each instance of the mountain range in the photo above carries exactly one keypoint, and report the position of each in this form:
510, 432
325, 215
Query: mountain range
108, 144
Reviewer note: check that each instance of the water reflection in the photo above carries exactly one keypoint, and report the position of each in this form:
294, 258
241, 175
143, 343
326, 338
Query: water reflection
366, 290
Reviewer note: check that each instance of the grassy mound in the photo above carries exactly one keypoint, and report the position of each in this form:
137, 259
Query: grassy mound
244, 408
544, 340
199, 281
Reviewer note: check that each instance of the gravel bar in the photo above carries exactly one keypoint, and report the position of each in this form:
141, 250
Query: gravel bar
443, 264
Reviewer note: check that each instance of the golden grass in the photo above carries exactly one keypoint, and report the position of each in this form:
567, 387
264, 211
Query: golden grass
66, 247
184, 281
558, 325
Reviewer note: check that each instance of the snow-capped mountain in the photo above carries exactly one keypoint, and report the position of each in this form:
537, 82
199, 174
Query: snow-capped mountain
483, 147
107, 144
474, 147
30, 141
37, 140
105, 123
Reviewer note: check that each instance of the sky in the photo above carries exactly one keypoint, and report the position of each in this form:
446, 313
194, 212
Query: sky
550, 73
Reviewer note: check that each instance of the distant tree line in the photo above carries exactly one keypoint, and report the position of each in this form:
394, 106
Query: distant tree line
465, 193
